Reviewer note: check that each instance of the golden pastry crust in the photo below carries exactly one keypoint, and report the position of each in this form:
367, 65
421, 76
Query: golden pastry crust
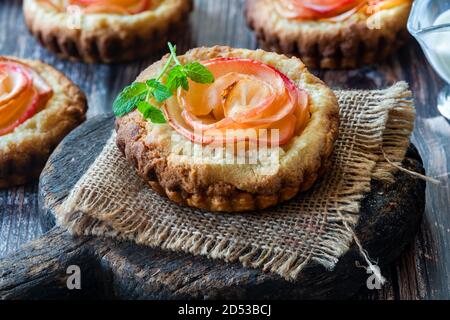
107, 38
321, 44
189, 180
24, 152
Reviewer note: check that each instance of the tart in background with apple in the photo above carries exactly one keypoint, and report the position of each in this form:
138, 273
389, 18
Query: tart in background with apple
180, 128
106, 31
38, 107
331, 33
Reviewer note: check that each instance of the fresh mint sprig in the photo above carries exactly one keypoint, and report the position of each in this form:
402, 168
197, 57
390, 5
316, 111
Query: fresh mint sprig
127, 100
139, 94
150, 112
178, 76
159, 91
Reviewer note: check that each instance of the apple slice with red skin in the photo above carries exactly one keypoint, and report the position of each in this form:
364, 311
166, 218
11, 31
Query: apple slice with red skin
113, 6
265, 112
224, 69
17, 86
19, 79
315, 9
29, 112
195, 120
28, 94
286, 127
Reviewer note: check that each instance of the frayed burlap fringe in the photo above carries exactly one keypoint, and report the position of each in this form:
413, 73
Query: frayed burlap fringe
398, 127
316, 227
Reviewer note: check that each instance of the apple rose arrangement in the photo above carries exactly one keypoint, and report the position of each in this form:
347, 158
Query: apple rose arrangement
23, 93
121, 7
217, 96
332, 10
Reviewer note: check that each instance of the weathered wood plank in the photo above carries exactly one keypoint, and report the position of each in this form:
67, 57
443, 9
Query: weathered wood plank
18, 218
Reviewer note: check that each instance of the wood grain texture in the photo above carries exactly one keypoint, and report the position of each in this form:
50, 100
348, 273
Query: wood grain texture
423, 272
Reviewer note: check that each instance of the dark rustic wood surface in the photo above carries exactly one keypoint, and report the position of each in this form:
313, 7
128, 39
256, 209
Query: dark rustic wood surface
390, 216
423, 272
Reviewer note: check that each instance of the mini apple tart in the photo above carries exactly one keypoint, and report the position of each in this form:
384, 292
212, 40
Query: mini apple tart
226, 129
331, 33
38, 107
106, 30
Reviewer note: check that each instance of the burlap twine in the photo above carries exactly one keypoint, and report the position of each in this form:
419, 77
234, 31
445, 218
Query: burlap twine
111, 200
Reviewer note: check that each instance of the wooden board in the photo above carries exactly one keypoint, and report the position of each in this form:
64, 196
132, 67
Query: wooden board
390, 218
422, 272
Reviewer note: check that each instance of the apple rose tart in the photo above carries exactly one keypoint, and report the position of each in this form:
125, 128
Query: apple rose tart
38, 107
105, 30
331, 33
228, 129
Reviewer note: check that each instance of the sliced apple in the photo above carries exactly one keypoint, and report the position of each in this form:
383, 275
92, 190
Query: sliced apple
113, 6
246, 95
14, 81
330, 6
109, 9
315, 9
247, 98
201, 99
172, 113
27, 107
23, 93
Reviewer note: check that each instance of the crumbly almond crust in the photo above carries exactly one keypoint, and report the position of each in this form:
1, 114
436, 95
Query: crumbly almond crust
24, 152
107, 38
330, 45
233, 187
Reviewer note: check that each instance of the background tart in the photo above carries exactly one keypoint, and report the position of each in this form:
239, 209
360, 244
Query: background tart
191, 181
326, 44
24, 151
104, 37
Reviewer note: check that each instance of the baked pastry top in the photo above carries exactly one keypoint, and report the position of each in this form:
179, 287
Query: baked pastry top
105, 30
330, 33
38, 107
176, 162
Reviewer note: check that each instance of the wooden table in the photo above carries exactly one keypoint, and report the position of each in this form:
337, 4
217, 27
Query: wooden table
423, 272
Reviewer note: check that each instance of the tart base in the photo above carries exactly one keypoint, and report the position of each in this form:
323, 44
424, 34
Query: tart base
235, 188
329, 45
106, 38
24, 152
218, 197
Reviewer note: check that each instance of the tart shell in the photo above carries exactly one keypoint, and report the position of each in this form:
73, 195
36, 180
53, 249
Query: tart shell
233, 188
107, 38
330, 45
24, 152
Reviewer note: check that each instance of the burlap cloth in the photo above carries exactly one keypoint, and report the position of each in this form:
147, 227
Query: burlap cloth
111, 200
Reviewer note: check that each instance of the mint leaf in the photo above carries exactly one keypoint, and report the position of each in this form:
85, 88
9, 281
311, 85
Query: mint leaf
127, 100
151, 113
138, 93
173, 53
158, 90
198, 73
177, 78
